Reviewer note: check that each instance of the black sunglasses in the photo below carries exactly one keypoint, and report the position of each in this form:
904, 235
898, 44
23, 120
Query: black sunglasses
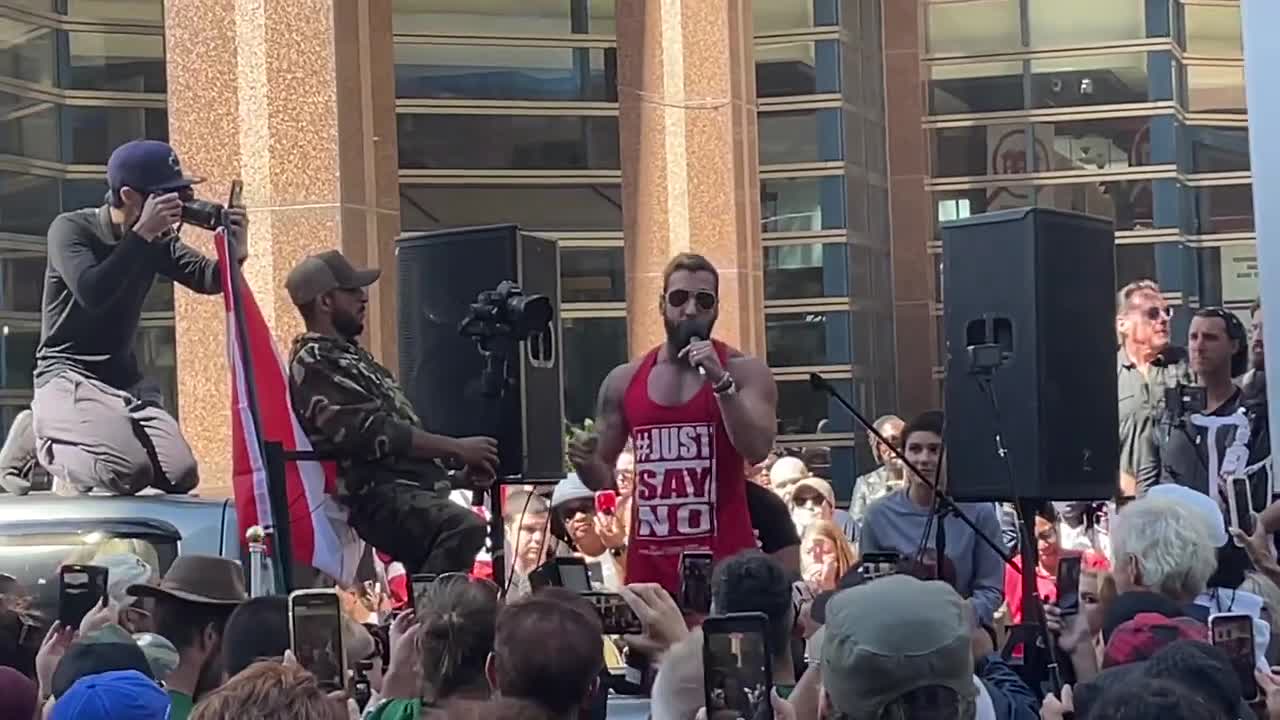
1156, 312
679, 298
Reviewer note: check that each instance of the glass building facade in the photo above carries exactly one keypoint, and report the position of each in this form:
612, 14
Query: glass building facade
1128, 109
77, 78
508, 112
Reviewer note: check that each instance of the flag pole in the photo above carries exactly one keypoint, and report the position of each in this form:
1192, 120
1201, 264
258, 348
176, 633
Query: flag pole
276, 491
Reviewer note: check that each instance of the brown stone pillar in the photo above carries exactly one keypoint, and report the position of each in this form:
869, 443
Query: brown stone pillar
910, 209
690, 171
298, 100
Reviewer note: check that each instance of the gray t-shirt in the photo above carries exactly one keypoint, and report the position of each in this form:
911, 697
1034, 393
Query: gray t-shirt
895, 523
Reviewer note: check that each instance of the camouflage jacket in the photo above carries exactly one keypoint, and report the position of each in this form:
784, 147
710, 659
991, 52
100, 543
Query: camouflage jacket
351, 408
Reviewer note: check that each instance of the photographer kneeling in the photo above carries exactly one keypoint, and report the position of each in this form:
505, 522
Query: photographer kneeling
97, 423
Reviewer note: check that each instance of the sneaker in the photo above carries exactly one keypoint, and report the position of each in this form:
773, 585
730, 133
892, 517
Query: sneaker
18, 456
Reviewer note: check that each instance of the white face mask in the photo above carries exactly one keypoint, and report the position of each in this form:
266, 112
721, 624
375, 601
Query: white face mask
803, 517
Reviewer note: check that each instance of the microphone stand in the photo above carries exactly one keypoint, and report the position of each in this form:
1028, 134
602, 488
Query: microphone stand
945, 505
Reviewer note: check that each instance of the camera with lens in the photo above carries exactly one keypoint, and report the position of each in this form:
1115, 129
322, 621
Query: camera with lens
507, 312
202, 213
1181, 401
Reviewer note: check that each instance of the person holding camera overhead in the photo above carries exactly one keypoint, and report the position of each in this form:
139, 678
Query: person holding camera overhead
98, 424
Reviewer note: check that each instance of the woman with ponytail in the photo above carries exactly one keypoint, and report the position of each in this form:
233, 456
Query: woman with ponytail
441, 656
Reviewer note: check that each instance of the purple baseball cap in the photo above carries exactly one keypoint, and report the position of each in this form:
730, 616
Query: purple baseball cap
147, 166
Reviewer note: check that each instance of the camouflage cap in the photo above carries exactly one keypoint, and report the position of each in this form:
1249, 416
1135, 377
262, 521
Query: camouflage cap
330, 270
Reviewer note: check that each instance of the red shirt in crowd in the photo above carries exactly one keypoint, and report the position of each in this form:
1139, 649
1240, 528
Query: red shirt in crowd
1046, 588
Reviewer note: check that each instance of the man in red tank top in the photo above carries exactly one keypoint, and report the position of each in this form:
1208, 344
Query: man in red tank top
694, 410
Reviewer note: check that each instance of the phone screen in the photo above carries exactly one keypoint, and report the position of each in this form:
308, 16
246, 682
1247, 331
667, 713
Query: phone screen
607, 502
418, 587
1242, 505
315, 630
573, 574
736, 667
695, 582
80, 589
615, 614
236, 199
1234, 634
876, 565
1069, 584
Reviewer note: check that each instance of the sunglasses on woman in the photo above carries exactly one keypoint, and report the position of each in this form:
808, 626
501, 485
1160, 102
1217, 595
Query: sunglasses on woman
679, 298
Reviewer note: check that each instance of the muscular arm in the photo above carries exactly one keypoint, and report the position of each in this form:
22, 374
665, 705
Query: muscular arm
751, 414
611, 429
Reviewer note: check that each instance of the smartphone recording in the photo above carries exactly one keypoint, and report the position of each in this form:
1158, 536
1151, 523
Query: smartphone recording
1233, 633
615, 614
695, 582
80, 589
315, 634
737, 671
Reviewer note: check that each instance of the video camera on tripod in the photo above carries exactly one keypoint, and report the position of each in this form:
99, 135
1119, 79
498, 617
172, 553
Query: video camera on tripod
499, 320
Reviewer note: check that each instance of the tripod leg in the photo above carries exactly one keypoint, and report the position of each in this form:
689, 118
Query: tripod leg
497, 537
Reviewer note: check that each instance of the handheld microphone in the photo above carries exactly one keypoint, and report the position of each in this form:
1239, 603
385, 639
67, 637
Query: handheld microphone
701, 370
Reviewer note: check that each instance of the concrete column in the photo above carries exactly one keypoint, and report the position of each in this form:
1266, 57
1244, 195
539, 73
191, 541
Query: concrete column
690, 166
910, 208
298, 100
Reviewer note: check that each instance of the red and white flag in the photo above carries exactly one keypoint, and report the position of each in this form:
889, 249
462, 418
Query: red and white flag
318, 531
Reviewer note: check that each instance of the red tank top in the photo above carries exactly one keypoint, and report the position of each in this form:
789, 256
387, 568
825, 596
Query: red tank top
691, 484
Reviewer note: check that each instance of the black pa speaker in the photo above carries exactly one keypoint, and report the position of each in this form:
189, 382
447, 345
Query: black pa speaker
1030, 301
441, 274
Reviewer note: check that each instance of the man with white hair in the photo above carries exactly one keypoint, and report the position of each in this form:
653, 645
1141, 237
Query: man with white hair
1160, 545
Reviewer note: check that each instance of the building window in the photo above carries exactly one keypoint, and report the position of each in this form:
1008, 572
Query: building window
1101, 80
592, 348
805, 411
798, 68
1057, 24
1213, 30
975, 88
812, 270
506, 72
1216, 149
803, 204
508, 142
817, 337
1215, 88
1221, 209
592, 275
498, 17
532, 207
800, 136
955, 27
770, 16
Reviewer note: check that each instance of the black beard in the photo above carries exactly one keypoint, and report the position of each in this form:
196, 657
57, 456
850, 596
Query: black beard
348, 325
682, 332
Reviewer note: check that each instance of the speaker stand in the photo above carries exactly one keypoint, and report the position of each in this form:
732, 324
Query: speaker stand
1039, 649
